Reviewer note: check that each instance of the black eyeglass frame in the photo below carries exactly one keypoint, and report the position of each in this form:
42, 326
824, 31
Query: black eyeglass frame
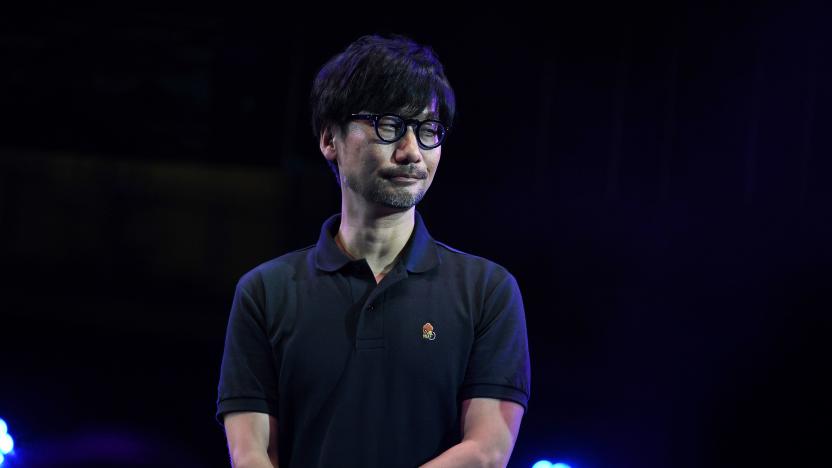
407, 123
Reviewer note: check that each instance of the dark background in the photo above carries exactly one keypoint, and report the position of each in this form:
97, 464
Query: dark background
657, 177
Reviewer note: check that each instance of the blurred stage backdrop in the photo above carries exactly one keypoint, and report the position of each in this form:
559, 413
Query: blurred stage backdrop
656, 177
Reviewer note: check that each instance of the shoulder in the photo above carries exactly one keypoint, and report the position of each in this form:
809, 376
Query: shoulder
490, 285
473, 267
275, 271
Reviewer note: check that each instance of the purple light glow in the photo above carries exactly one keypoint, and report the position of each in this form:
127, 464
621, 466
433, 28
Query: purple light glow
106, 447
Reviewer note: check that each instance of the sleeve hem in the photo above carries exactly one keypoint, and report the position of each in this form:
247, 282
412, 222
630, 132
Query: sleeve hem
257, 405
499, 392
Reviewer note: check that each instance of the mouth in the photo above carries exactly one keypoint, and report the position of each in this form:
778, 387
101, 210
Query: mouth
405, 176
404, 180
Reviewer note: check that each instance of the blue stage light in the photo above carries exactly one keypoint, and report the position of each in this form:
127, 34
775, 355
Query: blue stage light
6, 444
548, 464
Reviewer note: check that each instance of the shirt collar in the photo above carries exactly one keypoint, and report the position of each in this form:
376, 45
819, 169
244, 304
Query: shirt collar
419, 254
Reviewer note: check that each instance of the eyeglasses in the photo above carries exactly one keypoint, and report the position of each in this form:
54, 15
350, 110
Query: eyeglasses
390, 128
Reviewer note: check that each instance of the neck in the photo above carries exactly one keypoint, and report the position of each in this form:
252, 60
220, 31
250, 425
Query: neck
376, 234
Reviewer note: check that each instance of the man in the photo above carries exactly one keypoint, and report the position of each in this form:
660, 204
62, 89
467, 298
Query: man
377, 346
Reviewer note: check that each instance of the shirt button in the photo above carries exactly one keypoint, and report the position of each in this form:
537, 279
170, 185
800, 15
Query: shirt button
371, 307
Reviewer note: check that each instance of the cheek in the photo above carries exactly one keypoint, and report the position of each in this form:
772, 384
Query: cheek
371, 158
432, 162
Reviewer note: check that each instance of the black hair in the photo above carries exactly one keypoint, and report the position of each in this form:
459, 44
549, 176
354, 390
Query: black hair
380, 74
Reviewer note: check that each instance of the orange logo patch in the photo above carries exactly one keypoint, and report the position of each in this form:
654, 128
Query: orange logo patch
427, 332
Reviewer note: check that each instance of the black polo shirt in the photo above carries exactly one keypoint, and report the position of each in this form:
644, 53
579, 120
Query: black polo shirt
365, 374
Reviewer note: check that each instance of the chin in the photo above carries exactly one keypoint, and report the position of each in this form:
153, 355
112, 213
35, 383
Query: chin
398, 199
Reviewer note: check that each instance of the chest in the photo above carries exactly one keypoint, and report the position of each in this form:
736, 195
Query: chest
404, 332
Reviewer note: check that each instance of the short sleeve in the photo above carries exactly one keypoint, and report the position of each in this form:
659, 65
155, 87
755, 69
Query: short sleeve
248, 376
498, 366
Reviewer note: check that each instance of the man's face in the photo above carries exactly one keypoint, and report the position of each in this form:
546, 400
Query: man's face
395, 175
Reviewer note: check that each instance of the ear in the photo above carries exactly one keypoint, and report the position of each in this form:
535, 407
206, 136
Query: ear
327, 143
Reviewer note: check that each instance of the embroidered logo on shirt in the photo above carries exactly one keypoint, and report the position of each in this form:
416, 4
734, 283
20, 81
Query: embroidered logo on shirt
427, 332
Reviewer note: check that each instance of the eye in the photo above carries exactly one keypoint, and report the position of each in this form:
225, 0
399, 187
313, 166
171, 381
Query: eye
430, 132
389, 127
389, 122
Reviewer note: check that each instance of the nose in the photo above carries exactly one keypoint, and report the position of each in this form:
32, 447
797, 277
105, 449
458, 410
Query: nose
407, 148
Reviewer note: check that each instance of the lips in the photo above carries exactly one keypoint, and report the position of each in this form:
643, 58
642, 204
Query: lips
405, 175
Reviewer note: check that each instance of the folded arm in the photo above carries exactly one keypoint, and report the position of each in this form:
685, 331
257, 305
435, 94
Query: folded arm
489, 429
252, 439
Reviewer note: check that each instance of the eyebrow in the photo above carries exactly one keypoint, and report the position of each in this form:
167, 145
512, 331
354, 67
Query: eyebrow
432, 115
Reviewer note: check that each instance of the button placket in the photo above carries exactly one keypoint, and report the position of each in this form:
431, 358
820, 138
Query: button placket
370, 333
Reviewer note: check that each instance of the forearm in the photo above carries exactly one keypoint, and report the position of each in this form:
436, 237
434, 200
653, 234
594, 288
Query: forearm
252, 439
468, 453
253, 460
489, 428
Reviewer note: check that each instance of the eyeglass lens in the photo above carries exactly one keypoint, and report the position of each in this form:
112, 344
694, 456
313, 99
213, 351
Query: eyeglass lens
391, 127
